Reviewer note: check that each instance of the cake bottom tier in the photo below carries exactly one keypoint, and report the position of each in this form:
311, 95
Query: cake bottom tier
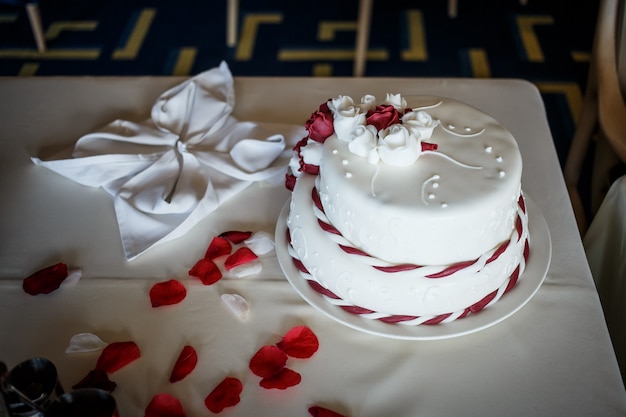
406, 294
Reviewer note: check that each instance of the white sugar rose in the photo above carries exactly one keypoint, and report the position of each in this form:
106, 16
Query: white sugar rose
397, 101
363, 143
294, 165
312, 153
368, 102
420, 123
397, 146
342, 104
346, 116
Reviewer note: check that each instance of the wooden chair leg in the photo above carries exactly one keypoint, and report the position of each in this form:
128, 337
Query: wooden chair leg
587, 126
232, 10
362, 36
34, 16
452, 8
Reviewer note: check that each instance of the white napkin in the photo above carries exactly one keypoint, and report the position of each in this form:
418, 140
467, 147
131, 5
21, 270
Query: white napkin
170, 171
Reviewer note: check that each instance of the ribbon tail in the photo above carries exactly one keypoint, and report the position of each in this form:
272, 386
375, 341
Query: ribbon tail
99, 170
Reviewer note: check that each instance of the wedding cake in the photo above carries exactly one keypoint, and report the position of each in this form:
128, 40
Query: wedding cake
408, 213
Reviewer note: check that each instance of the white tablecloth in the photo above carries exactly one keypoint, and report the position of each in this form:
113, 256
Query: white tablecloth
552, 358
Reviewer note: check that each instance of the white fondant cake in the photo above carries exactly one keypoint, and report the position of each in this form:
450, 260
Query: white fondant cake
407, 214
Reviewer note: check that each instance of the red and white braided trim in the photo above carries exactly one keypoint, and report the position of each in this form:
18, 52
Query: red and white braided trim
430, 271
433, 272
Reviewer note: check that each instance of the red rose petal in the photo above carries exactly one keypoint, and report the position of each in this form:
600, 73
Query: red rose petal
299, 342
225, 394
117, 355
167, 293
96, 379
219, 246
185, 363
284, 379
240, 257
164, 405
268, 361
45, 280
206, 271
317, 411
236, 236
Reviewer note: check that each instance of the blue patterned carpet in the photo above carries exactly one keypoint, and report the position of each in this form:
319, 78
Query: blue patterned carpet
546, 42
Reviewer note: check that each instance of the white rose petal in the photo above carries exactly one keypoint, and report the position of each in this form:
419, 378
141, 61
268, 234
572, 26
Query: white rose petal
368, 102
343, 105
85, 342
397, 101
245, 270
238, 305
260, 243
72, 278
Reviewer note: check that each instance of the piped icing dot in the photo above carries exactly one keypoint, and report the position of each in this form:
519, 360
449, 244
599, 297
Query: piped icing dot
488, 149
499, 158
444, 205
335, 151
501, 173
468, 129
452, 127
348, 174
344, 162
435, 185
431, 196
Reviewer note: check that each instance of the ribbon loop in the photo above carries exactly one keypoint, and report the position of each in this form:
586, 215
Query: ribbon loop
170, 171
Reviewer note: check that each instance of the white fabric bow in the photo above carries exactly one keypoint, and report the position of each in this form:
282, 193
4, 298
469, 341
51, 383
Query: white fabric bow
168, 172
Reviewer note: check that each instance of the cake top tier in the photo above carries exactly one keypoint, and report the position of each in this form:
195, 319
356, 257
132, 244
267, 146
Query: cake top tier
418, 173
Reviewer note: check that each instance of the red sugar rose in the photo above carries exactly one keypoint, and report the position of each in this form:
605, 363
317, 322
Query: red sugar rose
167, 293
290, 181
225, 394
186, 362
117, 355
320, 124
164, 405
45, 280
383, 116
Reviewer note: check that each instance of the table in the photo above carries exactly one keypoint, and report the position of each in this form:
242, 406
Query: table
553, 357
